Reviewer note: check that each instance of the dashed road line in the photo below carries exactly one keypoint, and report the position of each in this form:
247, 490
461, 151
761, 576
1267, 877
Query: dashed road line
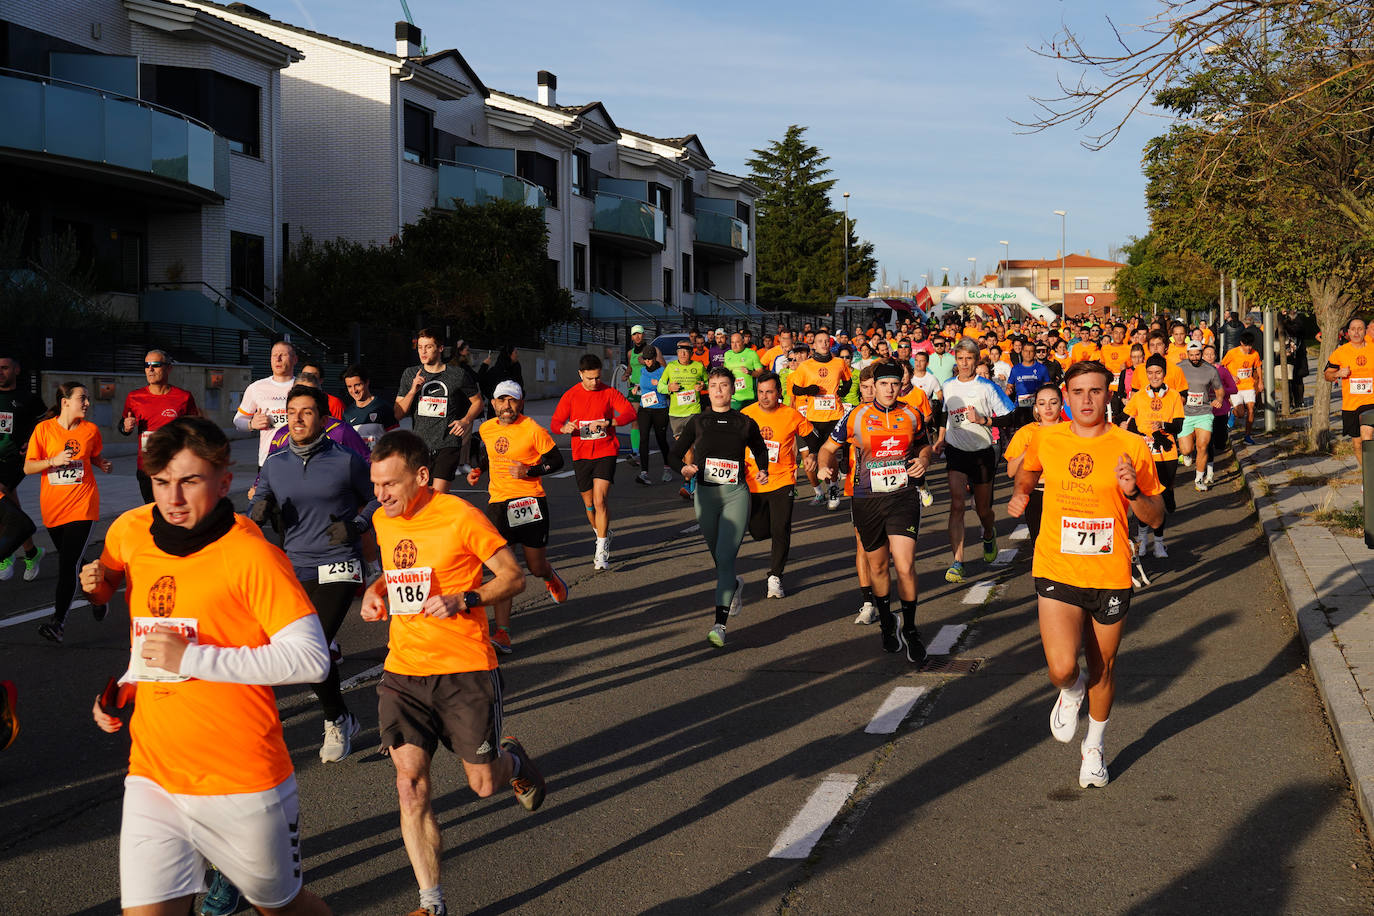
978, 593
893, 710
362, 677
691, 529
801, 836
1021, 533
946, 638
1005, 556
34, 615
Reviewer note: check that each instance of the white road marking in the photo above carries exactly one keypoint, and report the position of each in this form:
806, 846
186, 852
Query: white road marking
362, 677
946, 638
691, 529
563, 474
34, 615
894, 709
979, 592
801, 836
1021, 533
1005, 556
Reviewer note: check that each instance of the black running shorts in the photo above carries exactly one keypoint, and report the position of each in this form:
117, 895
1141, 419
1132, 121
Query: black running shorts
979, 467
588, 469
529, 534
1107, 605
1351, 420
443, 463
878, 517
462, 710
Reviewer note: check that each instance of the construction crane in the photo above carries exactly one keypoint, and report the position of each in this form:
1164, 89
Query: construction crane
424, 45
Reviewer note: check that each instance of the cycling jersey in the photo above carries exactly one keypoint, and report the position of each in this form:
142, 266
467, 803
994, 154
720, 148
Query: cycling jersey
884, 441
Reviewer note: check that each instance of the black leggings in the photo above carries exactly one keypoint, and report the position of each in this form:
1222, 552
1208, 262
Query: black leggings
15, 527
1035, 509
655, 419
1218, 442
332, 601
70, 540
770, 516
1167, 471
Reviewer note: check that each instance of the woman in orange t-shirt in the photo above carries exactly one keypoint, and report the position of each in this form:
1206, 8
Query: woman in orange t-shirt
66, 449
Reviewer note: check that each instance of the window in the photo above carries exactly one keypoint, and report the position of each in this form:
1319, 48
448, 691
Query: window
1054, 283
667, 286
742, 211
419, 134
228, 105
551, 267
579, 267
539, 169
748, 288
1080, 284
246, 264
581, 174
689, 196
662, 198
686, 272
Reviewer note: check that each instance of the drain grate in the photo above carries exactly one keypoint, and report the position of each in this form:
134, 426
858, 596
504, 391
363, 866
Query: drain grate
948, 665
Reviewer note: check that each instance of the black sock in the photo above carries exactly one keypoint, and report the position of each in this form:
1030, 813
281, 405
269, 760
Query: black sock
722, 615
909, 614
867, 594
884, 603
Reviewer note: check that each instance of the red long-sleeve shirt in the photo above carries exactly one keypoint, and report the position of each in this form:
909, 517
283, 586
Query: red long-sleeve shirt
580, 405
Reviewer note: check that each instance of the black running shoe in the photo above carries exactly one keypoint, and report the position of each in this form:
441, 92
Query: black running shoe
915, 649
892, 637
51, 630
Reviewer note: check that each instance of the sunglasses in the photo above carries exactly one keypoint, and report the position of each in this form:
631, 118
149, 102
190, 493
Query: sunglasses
154, 365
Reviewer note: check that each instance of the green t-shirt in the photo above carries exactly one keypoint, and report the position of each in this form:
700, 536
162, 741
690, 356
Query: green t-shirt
691, 377
741, 363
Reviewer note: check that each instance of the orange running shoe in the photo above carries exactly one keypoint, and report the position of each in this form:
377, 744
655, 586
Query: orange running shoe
558, 589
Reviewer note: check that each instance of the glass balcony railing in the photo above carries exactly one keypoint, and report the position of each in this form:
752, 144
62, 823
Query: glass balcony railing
629, 217
66, 119
719, 229
476, 186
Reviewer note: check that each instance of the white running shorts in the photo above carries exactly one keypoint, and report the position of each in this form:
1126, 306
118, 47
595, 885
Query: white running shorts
166, 842
1243, 397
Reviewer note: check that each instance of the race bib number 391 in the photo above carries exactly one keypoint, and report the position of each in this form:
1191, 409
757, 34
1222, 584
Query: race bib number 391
523, 512
407, 590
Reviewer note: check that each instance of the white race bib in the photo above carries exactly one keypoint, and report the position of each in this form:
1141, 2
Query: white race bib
741, 383
887, 478
523, 512
773, 449
722, 470
1244, 373
1195, 398
67, 475
685, 398
343, 571
823, 403
6, 423
1086, 536
407, 590
143, 441
140, 670
277, 416
588, 433
648, 399
1362, 386
431, 406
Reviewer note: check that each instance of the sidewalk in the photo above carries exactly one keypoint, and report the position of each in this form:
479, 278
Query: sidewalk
1329, 579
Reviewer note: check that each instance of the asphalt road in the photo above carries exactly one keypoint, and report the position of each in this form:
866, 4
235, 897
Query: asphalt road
675, 769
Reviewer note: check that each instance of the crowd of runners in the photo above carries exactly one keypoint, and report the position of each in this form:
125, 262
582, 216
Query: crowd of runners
1092, 421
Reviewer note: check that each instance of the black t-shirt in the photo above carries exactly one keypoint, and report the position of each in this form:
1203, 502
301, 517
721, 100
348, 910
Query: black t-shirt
444, 396
722, 435
19, 414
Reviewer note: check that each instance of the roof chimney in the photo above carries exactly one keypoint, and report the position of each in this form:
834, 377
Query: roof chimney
548, 89
407, 40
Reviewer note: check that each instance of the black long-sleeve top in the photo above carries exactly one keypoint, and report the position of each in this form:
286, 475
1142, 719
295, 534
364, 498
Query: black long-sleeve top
721, 434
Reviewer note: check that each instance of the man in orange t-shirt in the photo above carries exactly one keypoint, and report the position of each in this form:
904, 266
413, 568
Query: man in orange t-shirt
784, 431
1243, 362
1092, 472
217, 619
440, 681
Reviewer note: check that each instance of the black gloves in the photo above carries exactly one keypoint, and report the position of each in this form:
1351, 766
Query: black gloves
343, 531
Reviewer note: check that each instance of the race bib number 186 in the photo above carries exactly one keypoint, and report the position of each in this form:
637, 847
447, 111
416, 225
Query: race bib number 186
407, 590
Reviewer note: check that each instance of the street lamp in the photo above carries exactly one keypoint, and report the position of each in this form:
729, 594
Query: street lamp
1006, 260
973, 272
1063, 255
846, 243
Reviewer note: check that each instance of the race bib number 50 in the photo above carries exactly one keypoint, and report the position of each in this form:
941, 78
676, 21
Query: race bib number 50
1086, 536
407, 590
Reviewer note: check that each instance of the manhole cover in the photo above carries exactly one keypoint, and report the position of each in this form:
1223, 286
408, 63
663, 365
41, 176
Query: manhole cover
948, 665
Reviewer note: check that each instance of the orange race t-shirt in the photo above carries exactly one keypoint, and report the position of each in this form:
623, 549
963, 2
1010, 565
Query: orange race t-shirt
68, 493
1358, 389
1244, 368
1177, 352
1116, 357
1084, 350
826, 406
780, 429
437, 551
196, 737
1084, 539
917, 399
1150, 407
522, 442
1174, 379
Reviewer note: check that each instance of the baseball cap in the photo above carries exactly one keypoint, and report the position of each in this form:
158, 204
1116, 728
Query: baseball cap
684, 344
720, 330
508, 389
1194, 345
637, 329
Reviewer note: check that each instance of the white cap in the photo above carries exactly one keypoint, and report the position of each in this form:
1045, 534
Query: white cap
720, 330
508, 389
637, 329
1193, 345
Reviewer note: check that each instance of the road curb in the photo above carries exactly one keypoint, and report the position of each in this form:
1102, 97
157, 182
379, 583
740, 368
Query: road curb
1346, 709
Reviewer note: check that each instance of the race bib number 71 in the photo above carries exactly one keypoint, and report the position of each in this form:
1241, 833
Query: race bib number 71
1086, 536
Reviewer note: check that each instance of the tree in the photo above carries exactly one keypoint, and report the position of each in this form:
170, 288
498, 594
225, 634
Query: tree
801, 239
1175, 279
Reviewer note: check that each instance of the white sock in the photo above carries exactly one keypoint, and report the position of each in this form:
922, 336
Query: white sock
1075, 692
432, 897
1095, 731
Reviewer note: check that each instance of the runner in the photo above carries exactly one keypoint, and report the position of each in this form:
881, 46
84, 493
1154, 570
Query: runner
20, 412
443, 402
1156, 414
152, 407
218, 620
652, 416
784, 431
312, 374
868, 609
630, 373
519, 453
972, 405
1082, 568
717, 439
891, 447
368, 416
441, 681
818, 385
322, 495
589, 412
1244, 365
1204, 393
1048, 407
66, 449
1352, 364
682, 383
264, 402
745, 365
1026, 378
1221, 416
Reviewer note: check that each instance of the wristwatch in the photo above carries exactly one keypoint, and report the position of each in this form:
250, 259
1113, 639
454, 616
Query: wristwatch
472, 600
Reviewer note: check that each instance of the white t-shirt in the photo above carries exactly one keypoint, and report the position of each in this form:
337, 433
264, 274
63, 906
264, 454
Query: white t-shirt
269, 395
980, 394
927, 383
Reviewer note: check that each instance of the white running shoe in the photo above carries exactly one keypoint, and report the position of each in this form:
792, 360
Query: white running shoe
667, 476
775, 587
1064, 715
602, 558
1186, 460
1200, 484
1093, 771
643, 477
1209, 475
833, 502
868, 614
338, 737
1160, 552
737, 602
819, 498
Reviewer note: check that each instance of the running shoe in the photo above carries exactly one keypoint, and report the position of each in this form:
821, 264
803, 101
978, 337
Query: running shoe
667, 476
1248, 440
558, 589
222, 898
500, 638
6, 568
1064, 715
601, 559
868, 614
775, 587
1230, 421
926, 497
98, 611
529, 785
989, 549
430, 911
338, 737
684, 493
9, 714
891, 636
51, 630
915, 649
833, 500
716, 636
31, 565
1093, 771
1186, 460
643, 477
1209, 475
1200, 484
737, 602
955, 573
1160, 552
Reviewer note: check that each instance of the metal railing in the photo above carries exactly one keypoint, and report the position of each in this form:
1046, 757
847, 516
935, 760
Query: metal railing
477, 185
252, 310
629, 217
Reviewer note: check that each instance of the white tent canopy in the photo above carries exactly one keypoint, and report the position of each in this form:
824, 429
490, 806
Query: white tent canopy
999, 301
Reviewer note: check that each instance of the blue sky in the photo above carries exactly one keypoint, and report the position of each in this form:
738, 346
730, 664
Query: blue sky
912, 101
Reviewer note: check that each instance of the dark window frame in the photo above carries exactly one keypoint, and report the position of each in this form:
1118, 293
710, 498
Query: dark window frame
661, 196
421, 134
579, 267
686, 272
667, 286
581, 174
